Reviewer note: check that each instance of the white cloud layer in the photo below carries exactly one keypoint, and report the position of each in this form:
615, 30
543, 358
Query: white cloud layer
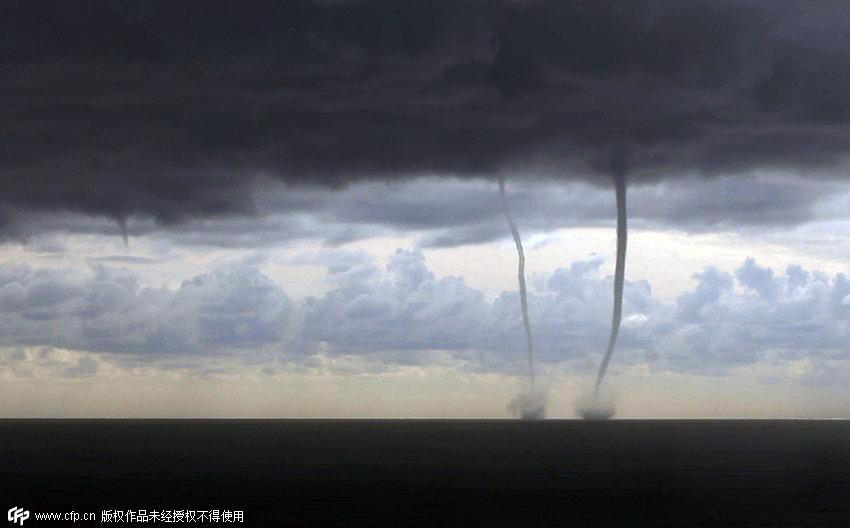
377, 316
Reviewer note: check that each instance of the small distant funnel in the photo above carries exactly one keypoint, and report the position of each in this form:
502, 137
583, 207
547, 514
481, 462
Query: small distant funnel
122, 225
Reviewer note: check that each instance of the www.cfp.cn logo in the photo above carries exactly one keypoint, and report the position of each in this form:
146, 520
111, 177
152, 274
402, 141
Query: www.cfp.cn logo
18, 515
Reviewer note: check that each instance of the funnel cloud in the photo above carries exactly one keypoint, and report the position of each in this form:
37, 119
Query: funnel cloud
529, 405
618, 172
523, 293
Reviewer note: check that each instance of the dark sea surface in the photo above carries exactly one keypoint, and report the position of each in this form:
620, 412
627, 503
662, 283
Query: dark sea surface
435, 472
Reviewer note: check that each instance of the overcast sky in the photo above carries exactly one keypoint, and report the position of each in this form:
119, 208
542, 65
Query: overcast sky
292, 209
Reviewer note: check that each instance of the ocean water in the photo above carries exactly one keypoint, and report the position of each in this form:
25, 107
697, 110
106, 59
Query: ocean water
434, 472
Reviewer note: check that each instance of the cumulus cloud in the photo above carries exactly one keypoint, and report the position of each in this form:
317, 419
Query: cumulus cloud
404, 308
105, 310
375, 316
761, 280
712, 283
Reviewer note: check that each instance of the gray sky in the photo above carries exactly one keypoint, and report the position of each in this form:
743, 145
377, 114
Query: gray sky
308, 192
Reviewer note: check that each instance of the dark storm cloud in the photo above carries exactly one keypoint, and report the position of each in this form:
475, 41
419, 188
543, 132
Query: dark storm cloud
453, 212
171, 110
